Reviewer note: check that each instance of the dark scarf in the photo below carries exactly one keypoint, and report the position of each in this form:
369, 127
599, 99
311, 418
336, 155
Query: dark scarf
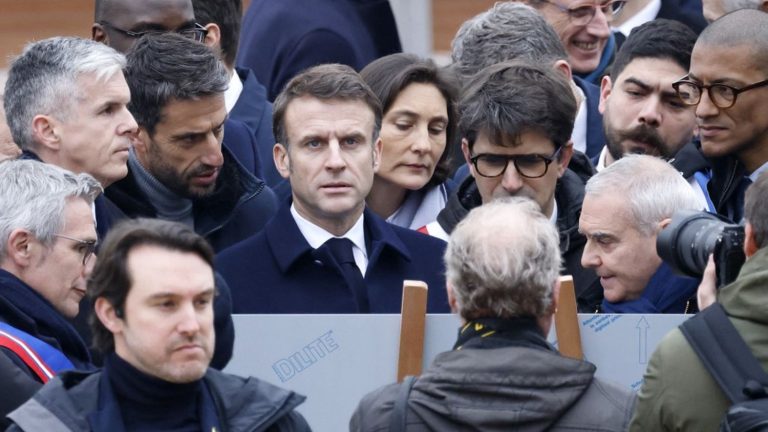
489, 333
147, 402
25, 309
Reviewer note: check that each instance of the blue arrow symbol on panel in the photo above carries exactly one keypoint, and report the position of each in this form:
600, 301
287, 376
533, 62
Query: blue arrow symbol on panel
642, 340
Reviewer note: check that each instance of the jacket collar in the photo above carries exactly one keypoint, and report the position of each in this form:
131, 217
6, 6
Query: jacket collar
288, 245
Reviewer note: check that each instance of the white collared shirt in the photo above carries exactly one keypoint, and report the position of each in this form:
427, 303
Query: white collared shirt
756, 173
317, 236
648, 13
233, 92
579, 135
601, 159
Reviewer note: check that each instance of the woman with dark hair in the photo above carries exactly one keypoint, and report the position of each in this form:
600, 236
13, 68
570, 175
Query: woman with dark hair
419, 104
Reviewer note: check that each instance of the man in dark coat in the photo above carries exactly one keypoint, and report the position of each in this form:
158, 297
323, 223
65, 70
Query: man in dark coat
47, 240
324, 252
502, 375
178, 168
153, 290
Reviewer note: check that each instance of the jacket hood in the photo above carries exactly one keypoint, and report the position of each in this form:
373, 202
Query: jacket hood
746, 297
496, 391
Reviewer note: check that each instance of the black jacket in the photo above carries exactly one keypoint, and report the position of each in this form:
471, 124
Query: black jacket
239, 207
569, 195
73, 401
725, 174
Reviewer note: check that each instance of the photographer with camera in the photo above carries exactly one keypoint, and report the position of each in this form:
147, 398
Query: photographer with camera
625, 206
679, 392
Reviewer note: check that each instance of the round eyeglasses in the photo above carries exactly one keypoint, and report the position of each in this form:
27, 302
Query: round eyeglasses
582, 14
196, 32
528, 165
721, 95
87, 247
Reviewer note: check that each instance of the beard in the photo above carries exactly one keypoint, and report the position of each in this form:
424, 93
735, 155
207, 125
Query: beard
179, 183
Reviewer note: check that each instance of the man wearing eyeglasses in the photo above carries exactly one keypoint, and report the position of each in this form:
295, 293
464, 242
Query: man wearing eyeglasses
120, 24
584, 29
516, 121
47, 240
727, 85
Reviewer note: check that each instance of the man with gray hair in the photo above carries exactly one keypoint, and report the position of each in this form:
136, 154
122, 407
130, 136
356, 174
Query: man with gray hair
515, 31
66, 104
502, 374
625, 206
47, 240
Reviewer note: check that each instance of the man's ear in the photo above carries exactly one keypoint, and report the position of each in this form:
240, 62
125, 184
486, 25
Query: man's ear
467, 155
20, 248
750, 244
605, 91
108, 315
377, 147
213, 37
555, 297
45, 132
98, 34
282, 160
564, 68
565, 158
452, 302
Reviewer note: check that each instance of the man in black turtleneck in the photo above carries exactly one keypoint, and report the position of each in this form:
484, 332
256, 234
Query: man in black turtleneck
153, 289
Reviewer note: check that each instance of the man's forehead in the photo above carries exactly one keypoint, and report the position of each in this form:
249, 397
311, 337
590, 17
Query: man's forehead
309, 115
651, 69
527, 141
149, 12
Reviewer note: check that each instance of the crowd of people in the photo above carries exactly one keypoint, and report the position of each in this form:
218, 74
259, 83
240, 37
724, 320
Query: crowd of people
158, 182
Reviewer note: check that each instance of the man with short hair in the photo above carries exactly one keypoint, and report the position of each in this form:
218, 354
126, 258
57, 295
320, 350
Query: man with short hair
514, 31
516, 120
727, 85
178, 168
502, 373
8, 148
153, 290
642, 113
324, 252
65, 102
678, 392
47, 239
246, 98
120, 24
714, 9
625, 207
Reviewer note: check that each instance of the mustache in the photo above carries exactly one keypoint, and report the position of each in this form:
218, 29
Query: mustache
645, 134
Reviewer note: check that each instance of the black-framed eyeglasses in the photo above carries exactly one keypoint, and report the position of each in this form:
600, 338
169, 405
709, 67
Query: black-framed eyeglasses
197, 32
89, 246
721, 95
528, 165
584, 13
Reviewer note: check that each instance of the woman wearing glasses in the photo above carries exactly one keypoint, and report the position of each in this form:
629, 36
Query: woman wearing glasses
418, 101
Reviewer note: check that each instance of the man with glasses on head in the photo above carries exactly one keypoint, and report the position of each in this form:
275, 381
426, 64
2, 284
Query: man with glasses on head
120, 24
727, 85
516, 121
47, 240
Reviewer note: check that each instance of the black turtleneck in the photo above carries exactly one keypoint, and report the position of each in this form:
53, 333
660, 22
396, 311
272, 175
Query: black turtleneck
149, 403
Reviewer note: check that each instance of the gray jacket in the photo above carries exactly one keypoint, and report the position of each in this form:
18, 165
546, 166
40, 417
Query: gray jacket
242, 404
502, 389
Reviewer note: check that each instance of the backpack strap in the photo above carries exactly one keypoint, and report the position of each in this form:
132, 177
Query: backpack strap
41, 358
724, 353
397, 423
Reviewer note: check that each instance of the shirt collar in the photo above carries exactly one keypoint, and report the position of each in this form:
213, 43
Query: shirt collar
233, 92
316, 235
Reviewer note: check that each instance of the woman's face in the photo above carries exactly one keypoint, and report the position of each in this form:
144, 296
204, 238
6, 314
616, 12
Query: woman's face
413, 134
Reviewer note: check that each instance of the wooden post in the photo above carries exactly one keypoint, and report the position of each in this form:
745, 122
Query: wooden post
412, 320
567, 322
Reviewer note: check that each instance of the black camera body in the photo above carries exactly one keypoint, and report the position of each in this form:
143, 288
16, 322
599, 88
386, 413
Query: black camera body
686, 243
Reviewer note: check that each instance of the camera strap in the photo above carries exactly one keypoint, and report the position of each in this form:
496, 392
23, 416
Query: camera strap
724, 353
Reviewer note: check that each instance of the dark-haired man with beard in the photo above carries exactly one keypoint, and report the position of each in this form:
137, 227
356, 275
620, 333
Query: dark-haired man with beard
641, 111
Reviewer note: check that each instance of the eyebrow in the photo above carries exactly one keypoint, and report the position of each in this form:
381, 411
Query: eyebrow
168, 294
727, 81
195, 134
413, 114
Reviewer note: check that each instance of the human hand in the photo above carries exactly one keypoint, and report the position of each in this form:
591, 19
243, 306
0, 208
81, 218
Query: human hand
706, 294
